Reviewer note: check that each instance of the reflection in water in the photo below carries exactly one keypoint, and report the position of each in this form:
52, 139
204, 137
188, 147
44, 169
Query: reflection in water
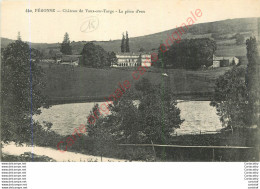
198, 115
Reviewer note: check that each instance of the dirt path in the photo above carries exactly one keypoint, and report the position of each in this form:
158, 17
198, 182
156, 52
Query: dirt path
12, 149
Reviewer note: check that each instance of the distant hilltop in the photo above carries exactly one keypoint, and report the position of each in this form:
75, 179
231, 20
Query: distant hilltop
222, 32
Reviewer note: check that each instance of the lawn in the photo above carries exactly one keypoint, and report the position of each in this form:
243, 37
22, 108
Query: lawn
65, 82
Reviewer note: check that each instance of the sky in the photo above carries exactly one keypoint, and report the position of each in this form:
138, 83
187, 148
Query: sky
158, 15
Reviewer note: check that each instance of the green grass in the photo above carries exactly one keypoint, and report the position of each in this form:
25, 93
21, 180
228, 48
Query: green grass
95, 84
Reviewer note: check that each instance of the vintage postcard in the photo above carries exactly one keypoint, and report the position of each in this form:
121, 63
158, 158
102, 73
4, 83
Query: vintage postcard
130, 81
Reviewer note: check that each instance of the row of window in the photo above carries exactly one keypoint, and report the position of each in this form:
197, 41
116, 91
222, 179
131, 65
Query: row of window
127, 64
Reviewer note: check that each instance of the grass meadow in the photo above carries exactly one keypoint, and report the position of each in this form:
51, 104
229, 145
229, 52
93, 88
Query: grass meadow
90, 84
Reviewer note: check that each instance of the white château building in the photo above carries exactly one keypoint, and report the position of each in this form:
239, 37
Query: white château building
132, 60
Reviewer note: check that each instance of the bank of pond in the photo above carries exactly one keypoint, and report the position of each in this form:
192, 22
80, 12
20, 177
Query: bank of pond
200, 119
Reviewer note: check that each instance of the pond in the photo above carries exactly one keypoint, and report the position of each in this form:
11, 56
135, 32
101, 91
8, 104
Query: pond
199, 117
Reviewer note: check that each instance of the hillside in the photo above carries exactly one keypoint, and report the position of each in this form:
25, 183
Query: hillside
224, 30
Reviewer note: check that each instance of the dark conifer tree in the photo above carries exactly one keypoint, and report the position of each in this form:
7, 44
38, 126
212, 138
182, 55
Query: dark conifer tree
65, 46
253, 78
123, 49
127, 48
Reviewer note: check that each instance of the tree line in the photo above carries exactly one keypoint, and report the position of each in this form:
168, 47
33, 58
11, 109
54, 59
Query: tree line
92, 55
188, 54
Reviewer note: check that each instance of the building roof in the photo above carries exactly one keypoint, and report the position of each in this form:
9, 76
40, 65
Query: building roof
222, 57
69, 58
135, 53
229, 57
218, 58
127, 53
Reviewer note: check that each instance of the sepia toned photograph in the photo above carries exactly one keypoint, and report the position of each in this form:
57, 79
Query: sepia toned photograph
130, 81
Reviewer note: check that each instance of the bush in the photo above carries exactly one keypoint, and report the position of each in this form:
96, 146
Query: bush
26, 157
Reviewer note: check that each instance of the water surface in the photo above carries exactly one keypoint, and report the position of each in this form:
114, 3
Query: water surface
199, 117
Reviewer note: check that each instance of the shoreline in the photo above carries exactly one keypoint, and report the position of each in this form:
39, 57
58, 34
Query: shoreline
12, 149
195, 96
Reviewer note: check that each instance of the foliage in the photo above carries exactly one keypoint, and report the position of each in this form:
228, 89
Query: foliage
157, 110
253, 78
44, 136
98, 132
52, 55
231, 99
237, 92
127, 48
123, 47
160, 63
140, 117
21, 91
65, 45
191, 53
94, 56
112, 58
26, 157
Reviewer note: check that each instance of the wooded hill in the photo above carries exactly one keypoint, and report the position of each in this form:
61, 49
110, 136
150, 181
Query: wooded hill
222, 32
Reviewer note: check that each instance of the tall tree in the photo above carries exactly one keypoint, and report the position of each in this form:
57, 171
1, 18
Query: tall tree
231, 99
127, 48
160, 63
65, 45
190, 53
21, 91
123, 49
112, 58
99, 132
137, 116
94, 56
253, 78
237, 92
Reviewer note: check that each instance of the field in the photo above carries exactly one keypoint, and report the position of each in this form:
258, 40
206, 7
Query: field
73, 84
